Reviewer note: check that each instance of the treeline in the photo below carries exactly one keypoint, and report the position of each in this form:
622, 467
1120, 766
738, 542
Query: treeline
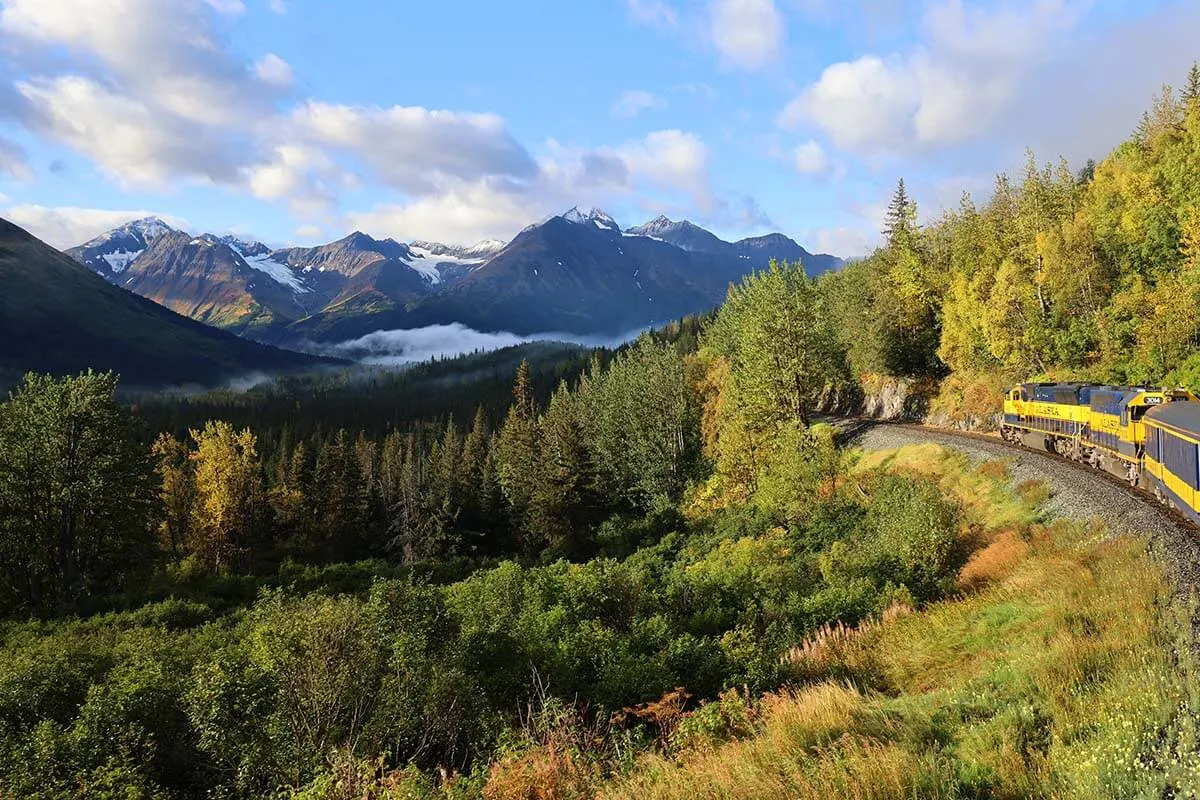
535, 487
1091, 274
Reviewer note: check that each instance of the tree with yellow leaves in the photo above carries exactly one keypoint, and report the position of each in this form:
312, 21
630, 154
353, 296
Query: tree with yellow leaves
229, 494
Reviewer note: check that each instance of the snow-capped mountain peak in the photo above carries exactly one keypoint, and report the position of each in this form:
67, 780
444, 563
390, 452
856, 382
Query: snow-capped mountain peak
656, 227
246, 248
146, 230
112, 252
593, 216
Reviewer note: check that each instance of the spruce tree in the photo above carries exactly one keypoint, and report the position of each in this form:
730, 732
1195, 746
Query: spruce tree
901, 221
1191, 89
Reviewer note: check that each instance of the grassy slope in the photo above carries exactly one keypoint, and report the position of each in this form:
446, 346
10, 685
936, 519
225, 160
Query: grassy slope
57, 316
1052, 676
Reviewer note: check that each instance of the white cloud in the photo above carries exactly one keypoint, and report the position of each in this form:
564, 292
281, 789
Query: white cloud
748, 34
304, 176
467, 214
311, 233
277, 6
125, 137
953, 86
274, 70
415, 149
396, 347
67, 226
151, 94
671, 162
842, 241
13, 162
863, 103
654, 12
810, 159
635, 101
168, 55
672, 159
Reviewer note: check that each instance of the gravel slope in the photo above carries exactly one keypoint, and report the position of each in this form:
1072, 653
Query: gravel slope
1077, 493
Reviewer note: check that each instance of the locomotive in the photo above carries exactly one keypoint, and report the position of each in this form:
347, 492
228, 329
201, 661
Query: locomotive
1146, 436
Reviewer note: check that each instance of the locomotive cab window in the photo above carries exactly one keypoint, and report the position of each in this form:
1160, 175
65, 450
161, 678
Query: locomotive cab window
1137, 412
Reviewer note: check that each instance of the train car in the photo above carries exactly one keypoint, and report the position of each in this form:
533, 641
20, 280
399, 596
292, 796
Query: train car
1047, 416
1116, 437
1103, 426
1172, 459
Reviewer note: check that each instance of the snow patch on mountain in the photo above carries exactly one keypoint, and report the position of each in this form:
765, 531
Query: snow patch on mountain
480, 251
117, 261
253, 254
280, 273
428, 257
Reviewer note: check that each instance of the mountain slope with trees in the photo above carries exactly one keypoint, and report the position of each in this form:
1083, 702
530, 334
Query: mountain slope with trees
57, 316
1092, 274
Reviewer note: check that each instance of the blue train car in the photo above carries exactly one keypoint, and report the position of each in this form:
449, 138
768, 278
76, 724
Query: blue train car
1172, 456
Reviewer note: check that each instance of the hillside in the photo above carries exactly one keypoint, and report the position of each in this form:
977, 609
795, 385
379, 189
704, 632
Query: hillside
1063, 272
58, 317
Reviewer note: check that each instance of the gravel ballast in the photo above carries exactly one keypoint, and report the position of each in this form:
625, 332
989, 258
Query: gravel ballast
1077, 492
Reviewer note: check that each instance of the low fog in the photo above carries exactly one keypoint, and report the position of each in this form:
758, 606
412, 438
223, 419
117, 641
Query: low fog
399, 347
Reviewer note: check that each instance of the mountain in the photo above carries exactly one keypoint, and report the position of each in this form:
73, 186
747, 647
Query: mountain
244, 286
57, 316
579, 273
208, 280
111, 253
759, 250
575, 272
682, 234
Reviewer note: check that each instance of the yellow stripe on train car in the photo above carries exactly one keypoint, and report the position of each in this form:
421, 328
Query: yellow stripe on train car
1153, 467
1179, 487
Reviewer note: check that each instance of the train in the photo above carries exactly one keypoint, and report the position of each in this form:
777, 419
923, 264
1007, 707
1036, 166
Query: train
1147, 436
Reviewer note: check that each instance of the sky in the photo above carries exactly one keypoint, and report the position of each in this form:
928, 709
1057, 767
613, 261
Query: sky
299, 121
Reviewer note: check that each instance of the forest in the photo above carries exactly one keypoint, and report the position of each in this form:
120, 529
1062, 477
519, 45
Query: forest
520, 574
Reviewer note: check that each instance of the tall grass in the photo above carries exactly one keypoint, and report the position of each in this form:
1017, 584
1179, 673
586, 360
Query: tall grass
1064, 670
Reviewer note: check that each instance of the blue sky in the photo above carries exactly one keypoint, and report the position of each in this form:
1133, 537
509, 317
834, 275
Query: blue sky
298, 121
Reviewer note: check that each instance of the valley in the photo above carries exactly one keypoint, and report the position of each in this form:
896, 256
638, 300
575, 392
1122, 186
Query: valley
339, 462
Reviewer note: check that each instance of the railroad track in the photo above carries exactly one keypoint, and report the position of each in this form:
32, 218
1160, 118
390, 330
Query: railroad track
1078, 491
1140, 492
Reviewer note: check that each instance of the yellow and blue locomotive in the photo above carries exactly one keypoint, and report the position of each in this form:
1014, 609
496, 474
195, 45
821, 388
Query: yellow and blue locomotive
1144, 435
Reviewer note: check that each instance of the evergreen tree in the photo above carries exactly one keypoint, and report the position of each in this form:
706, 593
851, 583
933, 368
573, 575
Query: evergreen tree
563, 501
901, 221
517, 460
1190, 95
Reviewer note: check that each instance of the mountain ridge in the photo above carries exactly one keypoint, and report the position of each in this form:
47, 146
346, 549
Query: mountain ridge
577, 272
